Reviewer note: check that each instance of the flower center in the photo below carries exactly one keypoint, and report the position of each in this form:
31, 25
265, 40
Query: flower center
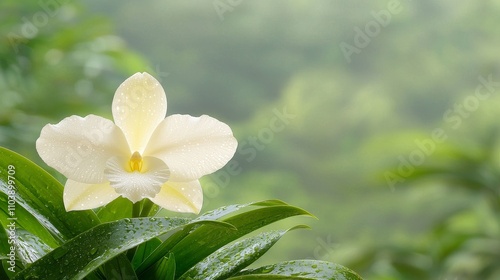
136, 162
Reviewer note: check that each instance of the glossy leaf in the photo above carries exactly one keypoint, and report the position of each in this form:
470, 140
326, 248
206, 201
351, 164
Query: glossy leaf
169, 244
206, 239
29, 247
270, 202
4, 246
166, 246
268, 277
40, 194
119, 268
119, 208
144, 251
221, 212
164, 269
233, 257
23, 219
9, 266
86, 252
226, 210
301, 269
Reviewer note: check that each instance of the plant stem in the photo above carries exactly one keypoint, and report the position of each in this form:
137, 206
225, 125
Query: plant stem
136, 209
136, 212
146, 207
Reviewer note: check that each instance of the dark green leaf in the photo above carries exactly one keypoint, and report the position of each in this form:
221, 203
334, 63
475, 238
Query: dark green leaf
178, 236
168, 244
220, 212
164, 269
29, 247
119, 268
118, 209
266, 277
302, 269
206, 239
4, 245
8, 255
23, 219
81, 255
232, 258
41, 195
9, 269
144, 250
226, 210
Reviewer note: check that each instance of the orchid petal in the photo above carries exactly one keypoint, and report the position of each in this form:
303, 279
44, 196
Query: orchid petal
79, 147
192, 146
138, 107
184, 197
136, 185
79, 196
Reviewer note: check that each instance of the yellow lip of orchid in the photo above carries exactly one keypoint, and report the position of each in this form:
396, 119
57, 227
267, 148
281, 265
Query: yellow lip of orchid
136, 162
140, 155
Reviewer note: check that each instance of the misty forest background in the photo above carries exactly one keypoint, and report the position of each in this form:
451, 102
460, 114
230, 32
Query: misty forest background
405, 106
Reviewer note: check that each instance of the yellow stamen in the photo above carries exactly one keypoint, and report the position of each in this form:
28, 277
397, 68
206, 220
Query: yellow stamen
136, 162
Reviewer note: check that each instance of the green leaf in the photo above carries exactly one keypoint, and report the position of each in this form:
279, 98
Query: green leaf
8, 255
266, 277
86, 252
175, 238
29, 247
221, 212
41, 195
118, 209
144, 251
218, 213
9, 271
232, 258
271, 202
226, 210
300, 269
164, 269
206, 239
23, 219
119, 268
5, 245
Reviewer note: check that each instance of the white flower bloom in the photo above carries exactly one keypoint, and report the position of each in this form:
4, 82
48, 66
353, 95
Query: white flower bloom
141, 155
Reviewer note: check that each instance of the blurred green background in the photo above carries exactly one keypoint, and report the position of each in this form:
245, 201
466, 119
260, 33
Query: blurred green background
379, 117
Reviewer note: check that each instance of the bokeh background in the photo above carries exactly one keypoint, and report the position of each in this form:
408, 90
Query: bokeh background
379, 117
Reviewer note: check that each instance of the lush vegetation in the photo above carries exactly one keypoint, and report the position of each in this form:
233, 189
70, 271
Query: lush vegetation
388, 142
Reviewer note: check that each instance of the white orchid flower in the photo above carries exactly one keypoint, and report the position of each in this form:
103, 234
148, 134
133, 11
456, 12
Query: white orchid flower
141, 155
